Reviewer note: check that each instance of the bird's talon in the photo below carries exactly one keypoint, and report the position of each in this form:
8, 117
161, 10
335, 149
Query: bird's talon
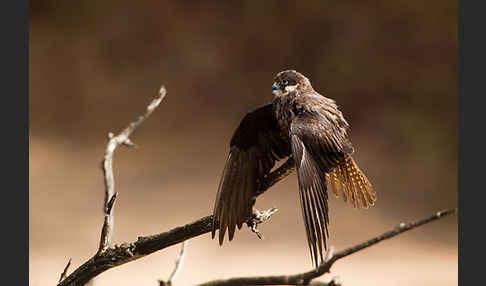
254, 229
259, 217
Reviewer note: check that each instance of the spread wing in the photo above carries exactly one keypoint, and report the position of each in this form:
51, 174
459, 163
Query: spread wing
255, 146
319, 143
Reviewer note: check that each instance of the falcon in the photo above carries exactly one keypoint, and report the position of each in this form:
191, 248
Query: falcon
302, 123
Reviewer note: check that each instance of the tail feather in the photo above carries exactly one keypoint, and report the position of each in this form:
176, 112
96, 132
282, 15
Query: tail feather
348, 180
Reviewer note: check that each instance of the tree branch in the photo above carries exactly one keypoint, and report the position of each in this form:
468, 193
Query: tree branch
306, 277
177, 266
145, 245
64, 272
107, 165
108, 257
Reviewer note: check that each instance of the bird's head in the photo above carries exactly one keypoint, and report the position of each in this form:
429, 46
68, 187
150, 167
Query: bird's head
288, 81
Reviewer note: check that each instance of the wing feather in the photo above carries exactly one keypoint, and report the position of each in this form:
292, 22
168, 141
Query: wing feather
313, 198
323, 159
255, 147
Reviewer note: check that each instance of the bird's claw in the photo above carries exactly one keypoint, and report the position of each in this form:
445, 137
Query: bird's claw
259, 217
254, 229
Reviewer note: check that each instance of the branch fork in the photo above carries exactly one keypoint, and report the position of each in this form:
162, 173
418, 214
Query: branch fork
108, 257
107, 165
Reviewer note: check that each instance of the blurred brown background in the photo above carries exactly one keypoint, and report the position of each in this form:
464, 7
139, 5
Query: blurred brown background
95, 65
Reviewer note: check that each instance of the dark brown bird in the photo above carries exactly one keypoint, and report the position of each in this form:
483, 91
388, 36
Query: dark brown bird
308, 126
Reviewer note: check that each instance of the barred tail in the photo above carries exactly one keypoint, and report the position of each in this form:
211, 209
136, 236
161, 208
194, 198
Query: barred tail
346, 178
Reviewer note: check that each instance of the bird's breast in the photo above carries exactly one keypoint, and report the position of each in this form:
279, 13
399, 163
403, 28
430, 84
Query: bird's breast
283, 113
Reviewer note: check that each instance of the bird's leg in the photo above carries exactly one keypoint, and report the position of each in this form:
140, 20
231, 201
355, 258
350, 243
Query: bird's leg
259, 217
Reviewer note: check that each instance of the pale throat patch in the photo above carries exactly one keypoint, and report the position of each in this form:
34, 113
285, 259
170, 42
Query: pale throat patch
291, 88
288, 89
277, 93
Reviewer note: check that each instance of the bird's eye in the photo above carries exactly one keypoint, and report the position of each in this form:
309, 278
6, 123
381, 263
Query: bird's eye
285, 82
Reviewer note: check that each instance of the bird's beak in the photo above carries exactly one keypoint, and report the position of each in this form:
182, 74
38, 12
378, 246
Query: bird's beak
276, 91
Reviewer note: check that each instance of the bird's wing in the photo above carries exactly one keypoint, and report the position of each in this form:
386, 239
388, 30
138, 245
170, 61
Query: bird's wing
313, 198
318, 144
255, 146
322, 154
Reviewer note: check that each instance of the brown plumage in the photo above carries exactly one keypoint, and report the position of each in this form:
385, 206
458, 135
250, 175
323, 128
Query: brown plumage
302, 123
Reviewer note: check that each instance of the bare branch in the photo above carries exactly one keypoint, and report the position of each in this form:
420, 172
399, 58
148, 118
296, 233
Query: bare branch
146, 245
127, 252
306, 277
64, 272
179, 261
177, 267
107, 166
108, 257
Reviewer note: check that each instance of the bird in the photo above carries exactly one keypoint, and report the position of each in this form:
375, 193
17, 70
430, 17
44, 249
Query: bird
300, 123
